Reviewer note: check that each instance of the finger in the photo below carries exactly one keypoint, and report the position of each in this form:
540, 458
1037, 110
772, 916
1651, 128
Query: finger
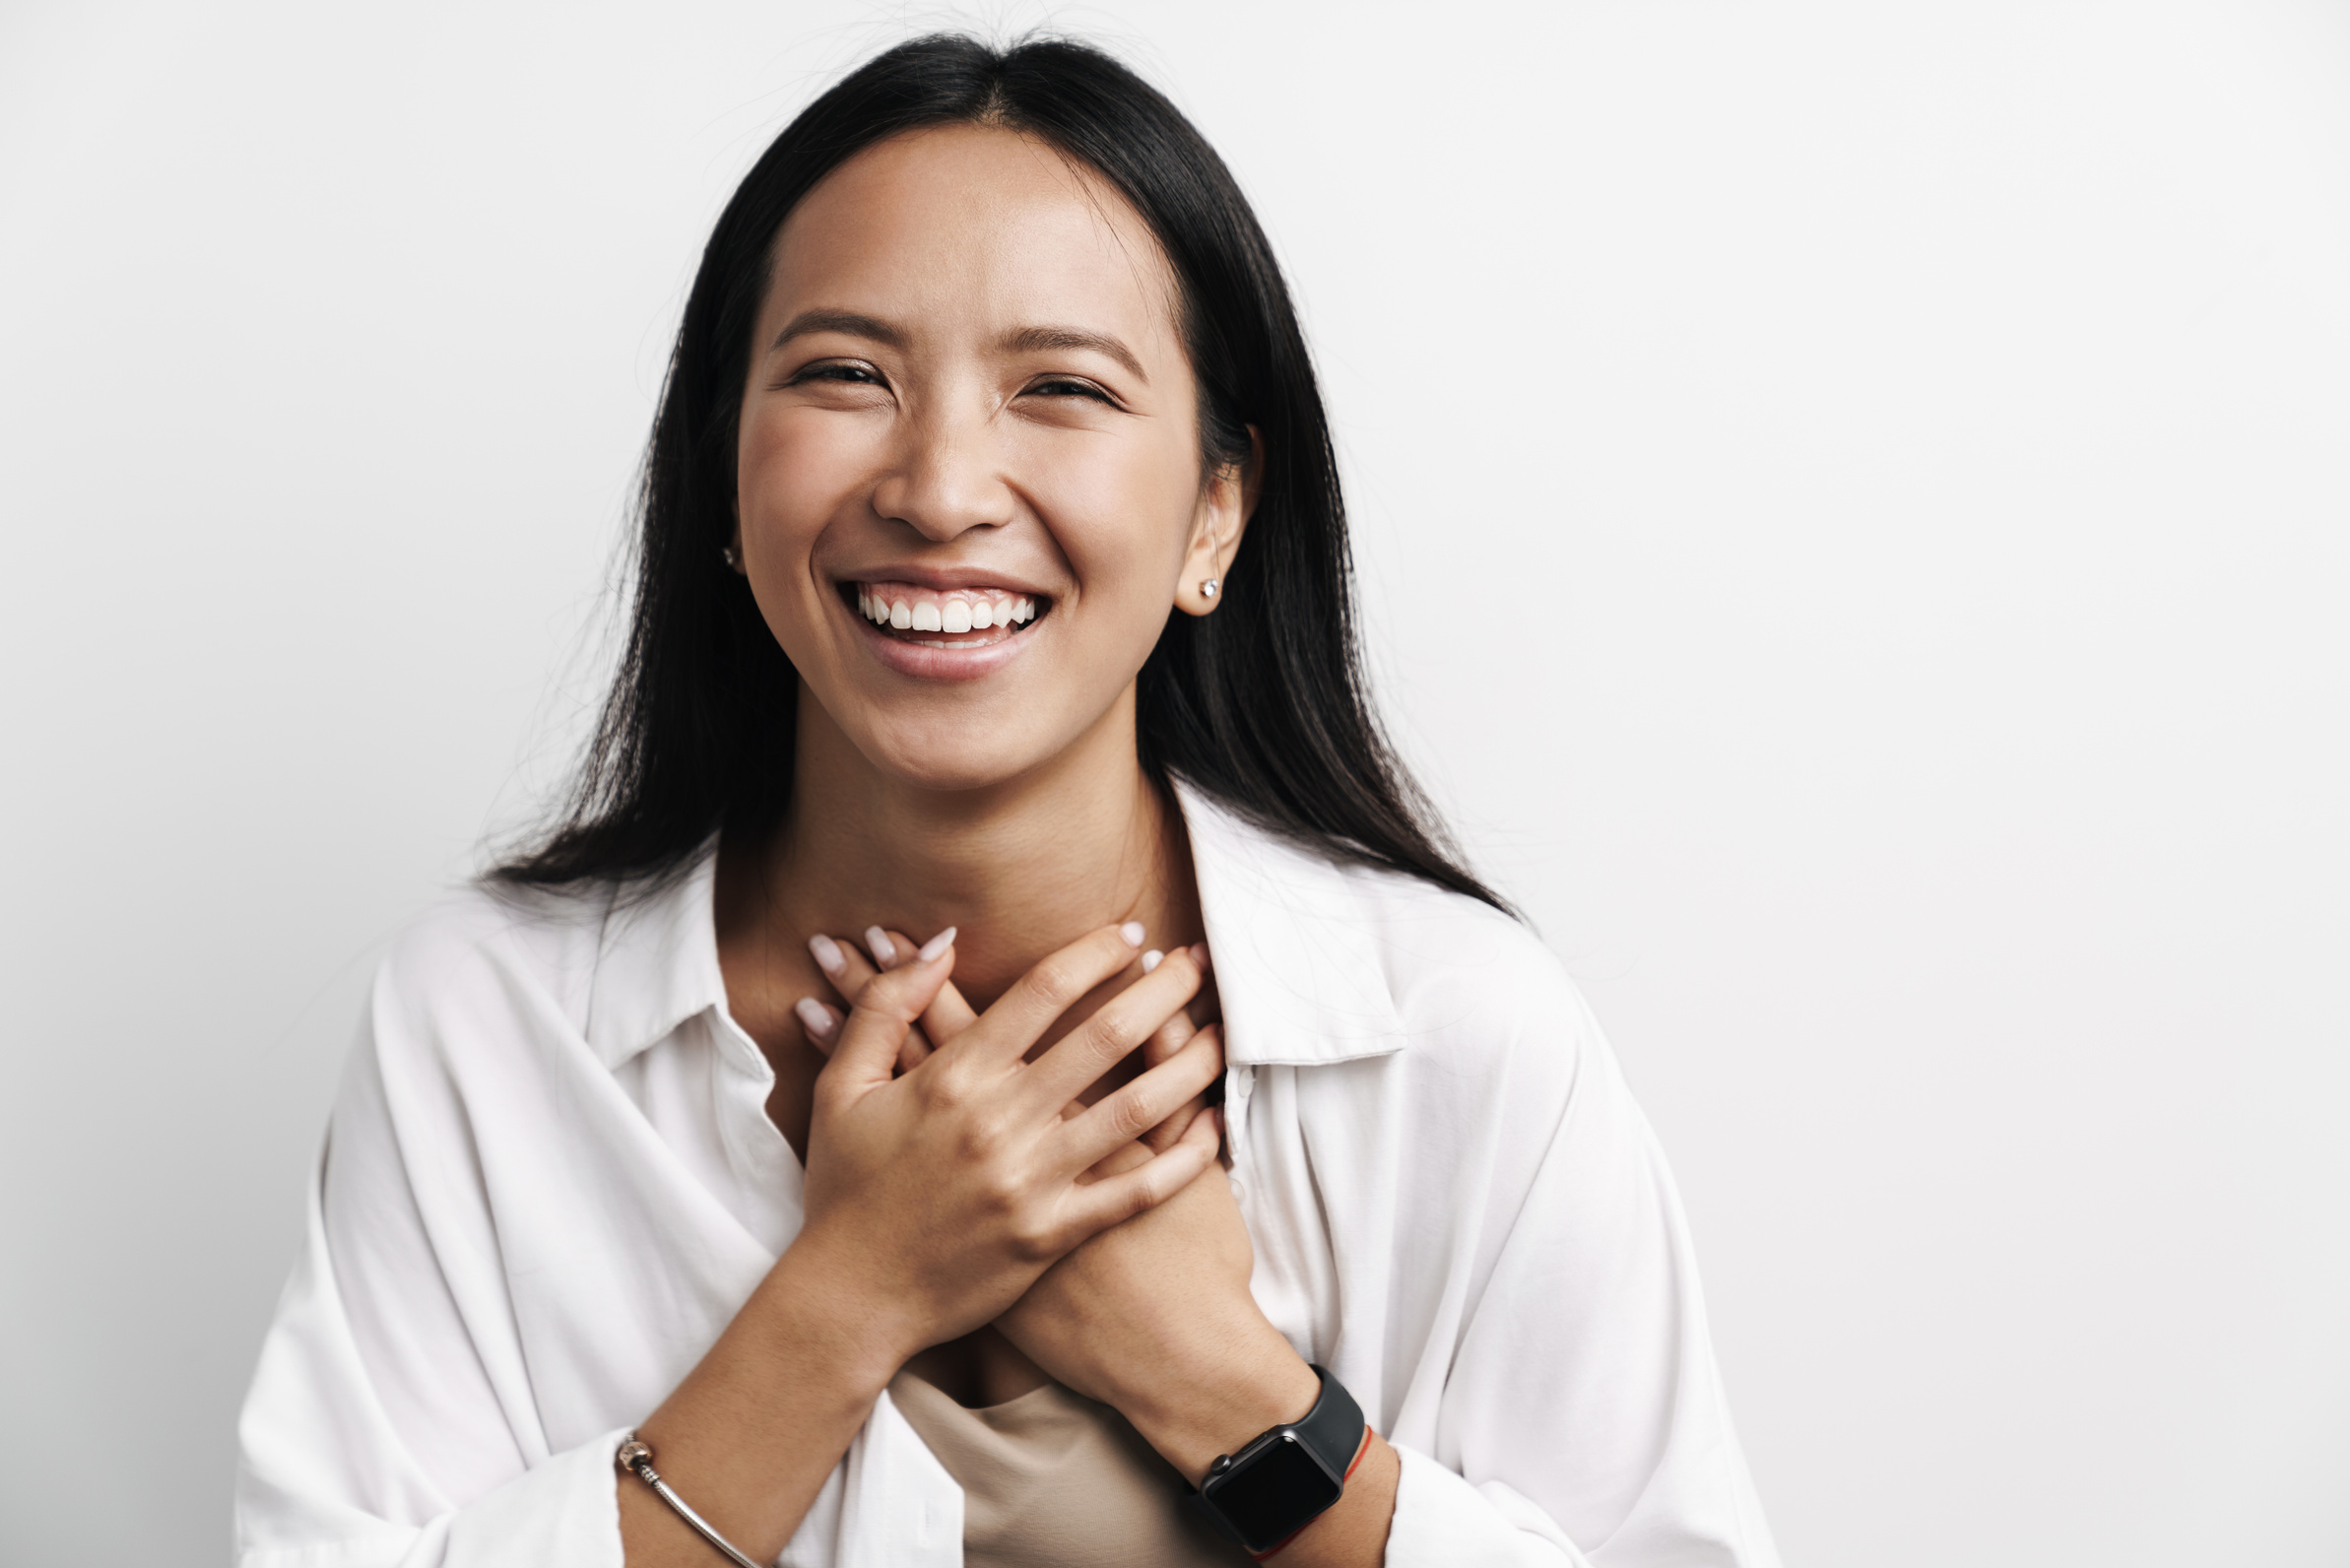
1172, 1036
1117, 1162
848, 970
1100, 1205
886, 952
1126, 1115
866, 1049
1056, 984
1207, 1007
844, 964
1169, 1037
819, 1022
1166, 1134
822, 1026
1116, 1028
914, 1051
946, 1017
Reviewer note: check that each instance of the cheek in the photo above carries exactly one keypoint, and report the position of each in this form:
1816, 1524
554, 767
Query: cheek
794, 467
1122, 517
794, 475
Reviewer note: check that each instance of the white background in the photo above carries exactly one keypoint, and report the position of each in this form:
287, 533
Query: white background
1854, 504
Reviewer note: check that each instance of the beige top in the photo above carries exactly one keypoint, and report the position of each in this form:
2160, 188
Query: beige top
1052, 1479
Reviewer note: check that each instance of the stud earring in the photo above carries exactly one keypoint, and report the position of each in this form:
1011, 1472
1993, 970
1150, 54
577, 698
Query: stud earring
733, 558
1208, 587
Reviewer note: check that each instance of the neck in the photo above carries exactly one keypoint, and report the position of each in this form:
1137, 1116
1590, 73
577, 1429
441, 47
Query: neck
1020, 866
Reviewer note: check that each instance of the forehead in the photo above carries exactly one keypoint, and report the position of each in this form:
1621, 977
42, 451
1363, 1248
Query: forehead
976, 227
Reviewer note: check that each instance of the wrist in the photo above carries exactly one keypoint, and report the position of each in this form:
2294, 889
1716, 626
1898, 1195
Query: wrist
862, 1336
1194, 1414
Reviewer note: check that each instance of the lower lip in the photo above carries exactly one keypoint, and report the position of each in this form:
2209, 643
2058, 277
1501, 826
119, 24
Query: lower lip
914, 660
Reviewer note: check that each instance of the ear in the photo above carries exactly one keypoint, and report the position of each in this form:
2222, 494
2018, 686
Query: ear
1226, 504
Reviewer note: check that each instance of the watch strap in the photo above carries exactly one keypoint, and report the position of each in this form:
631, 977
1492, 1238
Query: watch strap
1334, 1427
1334, 1432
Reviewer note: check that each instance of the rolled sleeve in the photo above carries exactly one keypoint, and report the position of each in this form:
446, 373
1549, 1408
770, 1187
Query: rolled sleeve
325, 1481
1441, 1521
1577, 1415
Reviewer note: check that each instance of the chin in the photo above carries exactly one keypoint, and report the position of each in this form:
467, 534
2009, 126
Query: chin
951, 766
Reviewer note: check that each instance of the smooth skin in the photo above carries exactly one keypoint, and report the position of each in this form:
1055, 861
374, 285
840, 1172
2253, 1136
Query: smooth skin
968, 363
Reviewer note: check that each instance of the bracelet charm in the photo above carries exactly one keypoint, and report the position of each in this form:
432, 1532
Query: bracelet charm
636, 1457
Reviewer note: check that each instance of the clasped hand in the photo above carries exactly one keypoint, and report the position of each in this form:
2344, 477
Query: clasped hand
947, 1173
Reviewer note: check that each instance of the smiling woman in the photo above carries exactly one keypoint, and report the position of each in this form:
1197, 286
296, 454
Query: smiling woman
1189, 1161
973, 395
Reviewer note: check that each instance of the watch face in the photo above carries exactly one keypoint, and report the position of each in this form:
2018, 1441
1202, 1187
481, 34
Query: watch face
1272, 1494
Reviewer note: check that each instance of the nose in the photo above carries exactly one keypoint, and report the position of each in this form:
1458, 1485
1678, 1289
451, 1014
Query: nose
946, 478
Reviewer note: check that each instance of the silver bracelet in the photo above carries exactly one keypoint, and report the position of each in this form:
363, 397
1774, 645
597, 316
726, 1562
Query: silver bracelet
637, 1459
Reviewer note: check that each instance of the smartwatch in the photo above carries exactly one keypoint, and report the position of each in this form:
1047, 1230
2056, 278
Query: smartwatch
1284, 1480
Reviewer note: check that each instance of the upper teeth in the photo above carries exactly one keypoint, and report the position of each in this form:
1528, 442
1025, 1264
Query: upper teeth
958, 610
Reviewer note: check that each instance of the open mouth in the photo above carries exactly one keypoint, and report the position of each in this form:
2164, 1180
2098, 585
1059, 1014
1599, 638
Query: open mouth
945, 618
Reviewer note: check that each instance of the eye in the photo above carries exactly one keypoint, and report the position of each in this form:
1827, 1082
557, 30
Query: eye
851, 372
1069, 386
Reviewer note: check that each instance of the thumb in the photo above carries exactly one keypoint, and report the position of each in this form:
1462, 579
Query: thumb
866, 1049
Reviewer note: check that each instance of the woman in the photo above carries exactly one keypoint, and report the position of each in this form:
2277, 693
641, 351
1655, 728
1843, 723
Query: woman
994, 605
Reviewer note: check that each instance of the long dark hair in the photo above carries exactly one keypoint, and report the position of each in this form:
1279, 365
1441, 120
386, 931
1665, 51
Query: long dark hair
1259, 705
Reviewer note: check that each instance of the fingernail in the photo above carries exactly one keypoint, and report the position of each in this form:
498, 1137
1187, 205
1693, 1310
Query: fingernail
814, 1018
1132, 930
1151, 960
937, 944
827, 953
1199, 955
885, 951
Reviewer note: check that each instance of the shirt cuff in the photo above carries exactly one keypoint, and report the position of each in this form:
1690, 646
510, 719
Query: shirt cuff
563, 1513
1443, 1522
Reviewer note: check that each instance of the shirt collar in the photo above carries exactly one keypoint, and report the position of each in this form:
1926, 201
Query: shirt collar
1294, 943
655, 962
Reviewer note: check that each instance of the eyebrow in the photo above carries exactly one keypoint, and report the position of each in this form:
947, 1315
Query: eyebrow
1023, 340
1038, 339
843, 321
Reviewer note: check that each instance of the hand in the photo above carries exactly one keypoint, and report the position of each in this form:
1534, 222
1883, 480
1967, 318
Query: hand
948, 1015
1152, 1316
848, 970
1167, 1288
935, 1198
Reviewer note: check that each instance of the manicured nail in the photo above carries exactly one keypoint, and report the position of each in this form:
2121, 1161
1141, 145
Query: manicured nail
1199, 955
1150, 960
935, 945
1132, 930
885, 951
815, 1019
827, 953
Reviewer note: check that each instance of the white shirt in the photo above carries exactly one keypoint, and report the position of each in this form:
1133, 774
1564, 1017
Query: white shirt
550, 1181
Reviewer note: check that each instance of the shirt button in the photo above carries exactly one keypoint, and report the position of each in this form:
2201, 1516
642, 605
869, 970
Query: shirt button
1240, 1192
